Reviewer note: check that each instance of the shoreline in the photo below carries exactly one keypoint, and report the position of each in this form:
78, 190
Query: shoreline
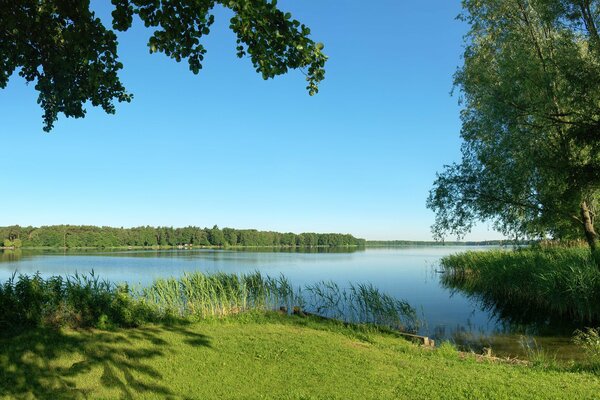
181, 247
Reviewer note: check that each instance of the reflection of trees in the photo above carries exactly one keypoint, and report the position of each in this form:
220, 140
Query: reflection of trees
10, 255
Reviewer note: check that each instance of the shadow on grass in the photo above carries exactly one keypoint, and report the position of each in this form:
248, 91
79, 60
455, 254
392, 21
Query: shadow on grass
45, 363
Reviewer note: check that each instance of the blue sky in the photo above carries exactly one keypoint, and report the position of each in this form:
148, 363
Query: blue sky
225, 147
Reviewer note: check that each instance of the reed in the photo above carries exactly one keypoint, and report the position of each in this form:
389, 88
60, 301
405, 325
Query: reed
361, 303
529, 282
220, 294
215, 295
86, 300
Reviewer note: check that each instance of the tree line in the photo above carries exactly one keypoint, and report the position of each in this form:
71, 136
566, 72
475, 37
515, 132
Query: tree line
71, 236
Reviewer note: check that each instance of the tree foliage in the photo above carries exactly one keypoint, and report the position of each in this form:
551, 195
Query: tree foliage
73, 236
70, 54
530, 87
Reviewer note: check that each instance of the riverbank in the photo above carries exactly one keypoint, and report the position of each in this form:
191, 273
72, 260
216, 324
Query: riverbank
268, 356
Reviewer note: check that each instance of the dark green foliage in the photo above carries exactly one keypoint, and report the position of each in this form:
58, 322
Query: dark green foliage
530, 89
77, 301
530, 285
71, 56
70, 236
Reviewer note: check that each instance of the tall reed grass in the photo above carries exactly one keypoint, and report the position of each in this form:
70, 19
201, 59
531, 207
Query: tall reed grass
86, 300
361, 303
207, 295
529, 283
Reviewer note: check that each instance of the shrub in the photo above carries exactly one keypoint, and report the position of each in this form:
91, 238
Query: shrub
589, 341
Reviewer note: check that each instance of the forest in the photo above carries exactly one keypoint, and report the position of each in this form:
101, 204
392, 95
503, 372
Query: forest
74, 236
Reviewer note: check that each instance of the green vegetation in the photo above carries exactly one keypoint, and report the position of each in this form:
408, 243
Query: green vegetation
200, 295
530, 284
71, 57
589, 340
530, 89
78, 301
70, 236
266, 356
87, 301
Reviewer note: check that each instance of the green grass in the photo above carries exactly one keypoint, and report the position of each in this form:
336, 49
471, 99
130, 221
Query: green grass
263, 356
530, 283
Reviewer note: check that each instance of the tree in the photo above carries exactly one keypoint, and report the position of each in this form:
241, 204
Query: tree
530, 86
71, 56
216, 237
230, 236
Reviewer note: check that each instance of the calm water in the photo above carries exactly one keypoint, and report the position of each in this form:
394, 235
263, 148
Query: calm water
407, 273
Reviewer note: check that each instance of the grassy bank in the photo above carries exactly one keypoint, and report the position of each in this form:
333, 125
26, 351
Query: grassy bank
530, 283
263, 356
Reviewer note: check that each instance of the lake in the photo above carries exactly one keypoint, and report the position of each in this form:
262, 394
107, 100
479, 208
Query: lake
407, 273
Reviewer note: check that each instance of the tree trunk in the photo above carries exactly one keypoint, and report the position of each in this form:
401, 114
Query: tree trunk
590, 233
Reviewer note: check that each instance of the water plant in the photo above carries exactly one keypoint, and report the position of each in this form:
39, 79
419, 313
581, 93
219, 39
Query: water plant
361, 303
87, 301
529, 284
219, 294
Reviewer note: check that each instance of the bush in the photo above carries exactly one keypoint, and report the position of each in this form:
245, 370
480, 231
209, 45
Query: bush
77, 302
589, 341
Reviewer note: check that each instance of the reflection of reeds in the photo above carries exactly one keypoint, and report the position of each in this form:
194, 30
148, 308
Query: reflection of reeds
563, 282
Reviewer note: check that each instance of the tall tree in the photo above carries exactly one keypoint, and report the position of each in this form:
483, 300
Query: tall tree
69, 53
530, 86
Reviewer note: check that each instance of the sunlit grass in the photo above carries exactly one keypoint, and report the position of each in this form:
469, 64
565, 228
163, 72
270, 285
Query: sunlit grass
263, 356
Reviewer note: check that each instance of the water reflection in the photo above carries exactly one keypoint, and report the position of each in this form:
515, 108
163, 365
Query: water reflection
11, 255
519, 327
512, 315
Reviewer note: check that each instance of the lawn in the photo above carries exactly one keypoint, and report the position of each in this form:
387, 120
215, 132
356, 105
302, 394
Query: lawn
262, 356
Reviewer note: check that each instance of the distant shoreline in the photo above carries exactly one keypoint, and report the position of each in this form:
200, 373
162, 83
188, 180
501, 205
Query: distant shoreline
189, 247
377, 244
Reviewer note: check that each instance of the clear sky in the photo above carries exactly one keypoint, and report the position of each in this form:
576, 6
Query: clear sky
225, 147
